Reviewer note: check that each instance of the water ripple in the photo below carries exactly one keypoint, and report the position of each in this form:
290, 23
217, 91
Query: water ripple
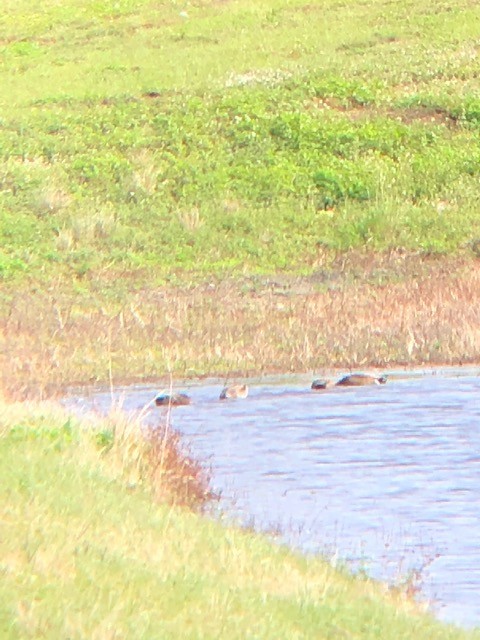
384, 476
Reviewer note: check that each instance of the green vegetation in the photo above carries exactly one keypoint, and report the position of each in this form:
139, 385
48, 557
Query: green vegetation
85, 553
233, 137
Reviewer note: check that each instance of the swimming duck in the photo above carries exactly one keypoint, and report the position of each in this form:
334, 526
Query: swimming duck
359, 380
318, 385
234, 391
172, 400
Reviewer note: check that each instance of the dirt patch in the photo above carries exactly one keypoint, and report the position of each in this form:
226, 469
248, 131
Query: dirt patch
435, 115
355, 110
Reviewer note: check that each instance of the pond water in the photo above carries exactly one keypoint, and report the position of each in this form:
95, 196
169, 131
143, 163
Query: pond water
386, 477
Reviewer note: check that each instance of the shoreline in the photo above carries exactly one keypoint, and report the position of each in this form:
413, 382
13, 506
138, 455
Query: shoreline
275, 379
262, 394
425, 320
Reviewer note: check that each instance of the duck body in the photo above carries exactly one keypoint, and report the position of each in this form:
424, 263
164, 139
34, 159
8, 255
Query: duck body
320, 384
360, 380
172, 400
234, 391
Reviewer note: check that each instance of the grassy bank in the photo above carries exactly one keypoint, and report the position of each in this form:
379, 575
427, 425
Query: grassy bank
183, 187
239, 139
86, 553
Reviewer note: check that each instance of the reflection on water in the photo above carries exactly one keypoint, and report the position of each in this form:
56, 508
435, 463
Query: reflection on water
384, 476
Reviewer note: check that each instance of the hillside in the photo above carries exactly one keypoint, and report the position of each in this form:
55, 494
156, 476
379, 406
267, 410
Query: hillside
283, 155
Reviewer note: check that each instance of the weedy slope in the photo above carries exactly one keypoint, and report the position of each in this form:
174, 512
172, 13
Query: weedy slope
147, 148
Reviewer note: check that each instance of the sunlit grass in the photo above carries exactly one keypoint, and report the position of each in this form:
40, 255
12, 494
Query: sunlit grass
85, 552
157, 111
150, 149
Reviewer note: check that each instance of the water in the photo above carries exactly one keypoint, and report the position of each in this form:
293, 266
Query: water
386, 477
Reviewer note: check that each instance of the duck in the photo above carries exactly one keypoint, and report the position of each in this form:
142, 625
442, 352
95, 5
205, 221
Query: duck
234, 391
172, 400
360, 380
320, 384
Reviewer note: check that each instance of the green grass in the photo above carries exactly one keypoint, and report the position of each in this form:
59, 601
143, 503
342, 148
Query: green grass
240, 139
84, 554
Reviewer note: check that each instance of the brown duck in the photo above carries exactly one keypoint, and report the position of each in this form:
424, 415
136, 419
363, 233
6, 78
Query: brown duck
360, 380
172, 400
351, 380
234, 391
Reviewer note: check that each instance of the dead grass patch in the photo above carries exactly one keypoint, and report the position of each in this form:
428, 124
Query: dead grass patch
173, 471
357, 312
155, 455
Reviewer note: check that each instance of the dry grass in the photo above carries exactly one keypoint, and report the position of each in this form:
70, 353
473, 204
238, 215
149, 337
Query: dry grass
402, 312
52, 198
145, 175
174, 470
155, 455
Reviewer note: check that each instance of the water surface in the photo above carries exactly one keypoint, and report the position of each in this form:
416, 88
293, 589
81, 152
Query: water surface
386, 477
